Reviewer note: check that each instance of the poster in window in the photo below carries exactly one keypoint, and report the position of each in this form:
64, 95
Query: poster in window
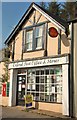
53, 89
23, 85
28, 87
19, 87
59, 89
33, 87
20, 78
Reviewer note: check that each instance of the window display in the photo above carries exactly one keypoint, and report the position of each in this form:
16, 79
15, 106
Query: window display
45, 84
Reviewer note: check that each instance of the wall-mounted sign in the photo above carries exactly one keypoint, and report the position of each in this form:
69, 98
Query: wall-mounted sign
40, 62
53, 32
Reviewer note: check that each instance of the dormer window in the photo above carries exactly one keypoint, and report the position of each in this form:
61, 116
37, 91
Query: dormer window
34, 38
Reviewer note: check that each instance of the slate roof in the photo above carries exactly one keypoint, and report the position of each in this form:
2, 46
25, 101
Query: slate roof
73, 21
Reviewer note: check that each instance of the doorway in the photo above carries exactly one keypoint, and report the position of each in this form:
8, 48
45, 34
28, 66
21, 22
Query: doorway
21, 83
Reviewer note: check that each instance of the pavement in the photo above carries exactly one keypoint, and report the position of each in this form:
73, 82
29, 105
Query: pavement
17, 112
21, 112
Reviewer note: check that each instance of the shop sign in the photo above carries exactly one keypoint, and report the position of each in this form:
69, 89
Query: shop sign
53, 32
41, 62
28, 100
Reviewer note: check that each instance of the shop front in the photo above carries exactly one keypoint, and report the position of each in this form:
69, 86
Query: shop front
45, 78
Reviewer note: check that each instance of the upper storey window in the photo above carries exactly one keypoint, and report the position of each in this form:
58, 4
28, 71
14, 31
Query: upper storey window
34, 38
29, 40
39, 37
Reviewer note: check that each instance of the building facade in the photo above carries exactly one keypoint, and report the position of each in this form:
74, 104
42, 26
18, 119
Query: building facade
73, 61
39, 63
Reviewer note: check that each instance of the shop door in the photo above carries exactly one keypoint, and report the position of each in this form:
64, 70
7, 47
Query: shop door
21, 87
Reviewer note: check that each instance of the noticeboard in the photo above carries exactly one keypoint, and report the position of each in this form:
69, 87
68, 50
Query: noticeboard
28, 100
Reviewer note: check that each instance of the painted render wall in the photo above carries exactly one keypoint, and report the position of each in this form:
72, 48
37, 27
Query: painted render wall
18, 46
75, 70
52, 43
39, 53
1, 68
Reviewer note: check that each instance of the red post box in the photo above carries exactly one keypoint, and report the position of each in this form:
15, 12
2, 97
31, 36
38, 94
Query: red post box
4, 89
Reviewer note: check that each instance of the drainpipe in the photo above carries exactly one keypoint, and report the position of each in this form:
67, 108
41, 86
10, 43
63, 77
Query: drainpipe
71, 74
45, 39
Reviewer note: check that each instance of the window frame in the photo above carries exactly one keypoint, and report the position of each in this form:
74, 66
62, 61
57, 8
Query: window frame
37, 37
29, 42
29, 28
55, 85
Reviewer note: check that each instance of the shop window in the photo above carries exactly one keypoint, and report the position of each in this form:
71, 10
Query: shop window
47, 72
37, 79
37, 87
37, 97
42, 96
42, 72
47, 84
41, 88
41, 79
52, 96
37, 72
47, 97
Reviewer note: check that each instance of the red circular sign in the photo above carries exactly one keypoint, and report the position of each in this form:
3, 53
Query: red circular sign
53, 32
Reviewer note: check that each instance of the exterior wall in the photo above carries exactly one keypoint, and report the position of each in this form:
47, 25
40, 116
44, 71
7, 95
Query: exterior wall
42, 18
52, 49
33, 54
1, 68
1, 72
52, 43
37, 14
12, 88
75, 70
18, 46
65, 44
48, 106
65, 90
61, 108
5, 101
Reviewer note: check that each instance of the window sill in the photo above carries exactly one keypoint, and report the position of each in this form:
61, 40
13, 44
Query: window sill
33, 50
38, 48
48, 102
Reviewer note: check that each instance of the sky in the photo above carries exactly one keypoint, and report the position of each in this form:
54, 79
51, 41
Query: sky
11, 14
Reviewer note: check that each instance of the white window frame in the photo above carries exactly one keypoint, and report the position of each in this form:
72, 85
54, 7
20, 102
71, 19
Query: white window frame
39, 36
29, 41
56, 85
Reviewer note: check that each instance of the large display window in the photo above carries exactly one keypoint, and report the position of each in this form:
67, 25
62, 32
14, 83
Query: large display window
45, 84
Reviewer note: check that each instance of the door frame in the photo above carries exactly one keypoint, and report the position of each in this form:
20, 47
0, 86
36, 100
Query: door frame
17, 86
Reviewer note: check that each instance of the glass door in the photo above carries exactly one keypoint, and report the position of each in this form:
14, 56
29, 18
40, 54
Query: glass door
21, 87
